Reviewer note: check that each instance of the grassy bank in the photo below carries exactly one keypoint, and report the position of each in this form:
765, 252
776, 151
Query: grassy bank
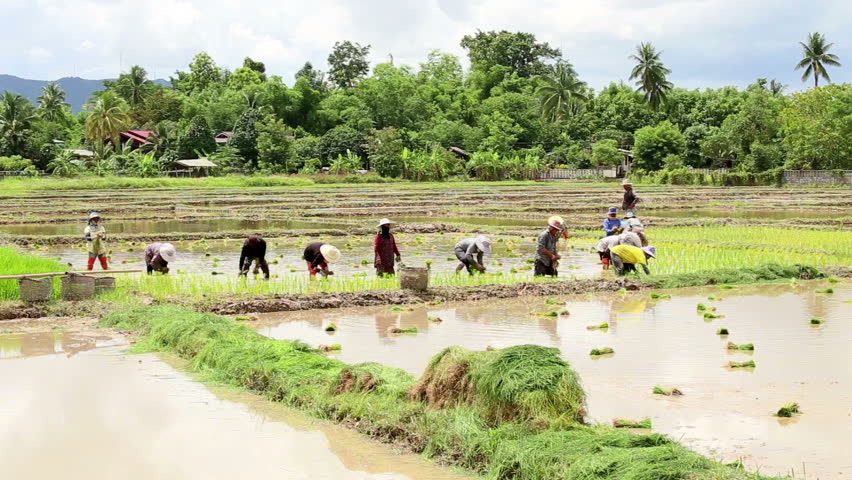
505, 414
14, 262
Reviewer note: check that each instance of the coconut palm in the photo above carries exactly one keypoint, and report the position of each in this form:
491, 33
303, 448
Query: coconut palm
52, 103
107, 118
16, 117
134, 85
816, 57
562, 94
650, 74
776, 87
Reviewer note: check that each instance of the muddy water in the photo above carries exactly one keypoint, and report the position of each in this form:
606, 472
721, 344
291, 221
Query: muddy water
726, 414
201, 257
164, 226
104, 414
49, 343
777, 214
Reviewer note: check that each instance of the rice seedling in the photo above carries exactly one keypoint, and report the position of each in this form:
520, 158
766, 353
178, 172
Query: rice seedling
331, 327
712, 316
660, 296
601, 351
551, 301
727, 287
828, 290
563, 312
701, 307
552, 314
817, 321
746, 364
15, 262
833, 279
330, 348
400, 308
669, 392
743, 346
622, 423
722, 331
365, 262
435, 319
245, 318
402, 330
600, 326
788, 410
713, 298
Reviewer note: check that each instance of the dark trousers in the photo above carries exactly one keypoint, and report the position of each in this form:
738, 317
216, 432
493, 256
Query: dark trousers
541, 269
261, 263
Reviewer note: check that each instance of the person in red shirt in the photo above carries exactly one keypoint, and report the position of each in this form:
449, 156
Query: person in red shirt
385, 248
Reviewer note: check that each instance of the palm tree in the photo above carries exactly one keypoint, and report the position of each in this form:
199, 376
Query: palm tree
107, 118
650, 74
134, 85
52, 103
562, 94
816, 57
16, 117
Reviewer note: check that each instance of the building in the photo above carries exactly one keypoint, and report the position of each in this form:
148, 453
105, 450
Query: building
198, 167
137, 138
222, 138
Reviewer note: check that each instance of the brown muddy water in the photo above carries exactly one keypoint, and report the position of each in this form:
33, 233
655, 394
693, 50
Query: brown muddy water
103, 414
726, 414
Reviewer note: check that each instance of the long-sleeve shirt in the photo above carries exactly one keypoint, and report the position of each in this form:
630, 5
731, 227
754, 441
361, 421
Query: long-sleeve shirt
630, 254
631, 198
377, 244
313, 255
256, 249
95, 237
633, 224
546, 241
471, 252
153, 260
610, 224
607, 243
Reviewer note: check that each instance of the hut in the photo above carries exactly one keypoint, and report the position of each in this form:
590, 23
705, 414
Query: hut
197, 167
222, 138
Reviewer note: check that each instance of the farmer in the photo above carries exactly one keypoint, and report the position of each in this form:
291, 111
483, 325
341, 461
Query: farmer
626, 257
254, 251
546, 256
611, 223
385, 249
96, 241
470, 252
606, 244
630, 197
158, 256
632, 224
319, 255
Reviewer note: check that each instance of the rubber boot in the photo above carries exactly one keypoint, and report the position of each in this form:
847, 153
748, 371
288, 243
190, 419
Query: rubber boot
104, 264
91, 263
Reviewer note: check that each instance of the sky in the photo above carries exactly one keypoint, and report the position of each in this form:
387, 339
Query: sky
706, 43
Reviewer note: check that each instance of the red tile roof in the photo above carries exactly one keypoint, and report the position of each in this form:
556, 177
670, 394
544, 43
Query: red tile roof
138, 136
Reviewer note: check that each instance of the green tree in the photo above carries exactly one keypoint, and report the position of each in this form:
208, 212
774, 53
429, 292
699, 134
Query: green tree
245, 135
51, 102
107, 118
650, 74
348, 63
198, 139
274, 145
384, 152
817, 128
815, 58
256, 66
16, 117
132, 86
562, 95
338, 141
619, 107
203, 72
314, 77
63, 165
605, 153
393, 98
519, 51
654, 144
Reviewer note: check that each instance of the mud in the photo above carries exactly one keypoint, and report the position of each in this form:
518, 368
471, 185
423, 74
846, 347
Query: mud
725, 414
102, 414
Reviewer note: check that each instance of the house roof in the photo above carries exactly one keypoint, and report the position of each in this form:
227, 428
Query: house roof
223, 137
197, 162
138, 136
459, 151
82, 153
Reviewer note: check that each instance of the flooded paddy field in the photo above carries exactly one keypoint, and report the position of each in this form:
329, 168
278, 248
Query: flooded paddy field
724, 413
101, 413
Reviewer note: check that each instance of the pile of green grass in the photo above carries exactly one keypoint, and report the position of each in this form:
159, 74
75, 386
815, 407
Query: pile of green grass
15, 262
769, 272
517, 417
788, 410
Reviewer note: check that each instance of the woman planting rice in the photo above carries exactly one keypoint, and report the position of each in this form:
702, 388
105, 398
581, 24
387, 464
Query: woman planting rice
605, 245
470, 252
96, 241
158, 256
319, 255
626, 257
385, 249
254, 251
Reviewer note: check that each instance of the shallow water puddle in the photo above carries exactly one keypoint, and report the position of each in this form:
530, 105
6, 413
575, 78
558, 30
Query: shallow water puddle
104, 414
49, 343
725, 413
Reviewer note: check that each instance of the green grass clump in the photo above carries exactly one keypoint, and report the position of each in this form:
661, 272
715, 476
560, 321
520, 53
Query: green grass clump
601, 351
331, 327
817, 321
743, 346
553, 313
669, 392
765, 272
727, 287
600, 326
788, 410
701, 307
825, 290
722, 331
833, 279
402, 330
660, 296
551, 301
399, 308
712, 316
747, 364
622, 423
15, 262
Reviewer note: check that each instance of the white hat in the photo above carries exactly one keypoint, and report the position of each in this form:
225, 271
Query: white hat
385, 221
556, 222
483, 243
330, 253
627, 182
168, 252
94, 215
629, 215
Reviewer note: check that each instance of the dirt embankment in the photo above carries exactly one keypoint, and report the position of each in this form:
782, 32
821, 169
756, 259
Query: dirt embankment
283, 303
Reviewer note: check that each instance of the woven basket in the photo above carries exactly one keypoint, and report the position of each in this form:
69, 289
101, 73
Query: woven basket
78, 287
414, 278
36, 289
104, 284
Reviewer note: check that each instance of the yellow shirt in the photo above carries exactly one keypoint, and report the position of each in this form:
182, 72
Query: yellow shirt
630, 254
96, 245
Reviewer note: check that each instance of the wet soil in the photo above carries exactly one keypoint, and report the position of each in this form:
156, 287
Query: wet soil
726, 414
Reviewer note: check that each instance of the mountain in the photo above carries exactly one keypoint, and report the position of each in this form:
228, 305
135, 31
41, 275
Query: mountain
77, 90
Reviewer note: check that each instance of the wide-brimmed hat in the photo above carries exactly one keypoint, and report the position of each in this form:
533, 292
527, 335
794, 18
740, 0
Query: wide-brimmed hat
627, 182
629, 215
94, 215
385, 221
556, 222
483, 243
613, 210
330, 253
650, 251
168, 252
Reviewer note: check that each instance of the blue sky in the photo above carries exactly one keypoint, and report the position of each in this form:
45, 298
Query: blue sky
707, 43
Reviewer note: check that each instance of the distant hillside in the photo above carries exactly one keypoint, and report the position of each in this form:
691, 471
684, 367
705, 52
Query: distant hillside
77, 90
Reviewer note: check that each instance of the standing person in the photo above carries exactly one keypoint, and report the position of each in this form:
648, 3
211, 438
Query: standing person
158, 256
632, 224
254, 251
470, 252
631, 199
546, 256
319, 255
385, 249
626, 257
611, 223
95, 235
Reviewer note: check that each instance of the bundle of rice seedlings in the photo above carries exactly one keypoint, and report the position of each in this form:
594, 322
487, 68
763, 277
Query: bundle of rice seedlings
669, 392
722, 331
435, 319
825, 290
748, 364
331, 327
402, 330
712, 316
622, 423
372, 377
600, 326
660, 296
817, 321
788, 410
701, 307
601, 351
330, 348
399, 308
551, 301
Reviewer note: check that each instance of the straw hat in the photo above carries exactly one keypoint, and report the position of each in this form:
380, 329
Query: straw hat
330, 253
94, 215
385, 221
483, 243
650, 251
168, 252
627, 182
556, 222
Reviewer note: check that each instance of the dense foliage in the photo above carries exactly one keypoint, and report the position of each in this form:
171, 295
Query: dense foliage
521, 108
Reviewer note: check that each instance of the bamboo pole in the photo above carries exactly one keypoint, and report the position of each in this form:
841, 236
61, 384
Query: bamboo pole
57, 274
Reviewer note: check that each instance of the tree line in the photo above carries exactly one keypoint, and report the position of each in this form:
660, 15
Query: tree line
521, 106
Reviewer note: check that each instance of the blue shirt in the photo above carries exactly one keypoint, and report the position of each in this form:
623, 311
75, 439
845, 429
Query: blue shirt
610, 224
